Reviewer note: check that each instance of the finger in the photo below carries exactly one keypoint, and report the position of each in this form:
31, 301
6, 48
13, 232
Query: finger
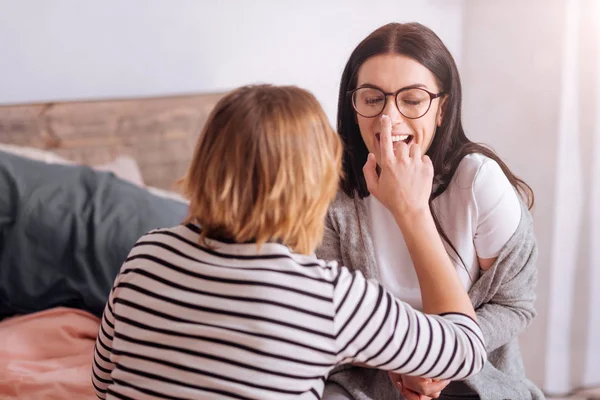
402, 151
415, 393
436, 395
398, 386
426, 159
434, 387
430, 171
409, 394
394, 377
370, 173
415, 151
386, 148
416, 384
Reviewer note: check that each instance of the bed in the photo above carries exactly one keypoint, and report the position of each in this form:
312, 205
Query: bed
159, 133
71, 173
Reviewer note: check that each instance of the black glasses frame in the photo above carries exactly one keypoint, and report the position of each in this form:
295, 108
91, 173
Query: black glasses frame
432, 96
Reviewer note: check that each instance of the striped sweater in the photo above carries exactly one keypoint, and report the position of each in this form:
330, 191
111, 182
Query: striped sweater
186, 321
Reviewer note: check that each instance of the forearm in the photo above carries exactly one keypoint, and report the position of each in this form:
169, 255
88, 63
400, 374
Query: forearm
101, 370
441, 288
509, 308
385, 333
102, 366
501, 324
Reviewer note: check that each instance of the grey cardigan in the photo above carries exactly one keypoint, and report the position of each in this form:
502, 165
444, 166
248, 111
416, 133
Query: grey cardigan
503, 297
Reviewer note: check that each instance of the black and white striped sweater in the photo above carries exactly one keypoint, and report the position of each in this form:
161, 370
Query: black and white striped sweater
184, 321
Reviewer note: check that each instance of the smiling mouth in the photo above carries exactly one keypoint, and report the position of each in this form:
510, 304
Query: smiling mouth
398, 138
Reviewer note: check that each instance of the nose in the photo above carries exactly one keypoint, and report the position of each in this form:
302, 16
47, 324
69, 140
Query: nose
391, 110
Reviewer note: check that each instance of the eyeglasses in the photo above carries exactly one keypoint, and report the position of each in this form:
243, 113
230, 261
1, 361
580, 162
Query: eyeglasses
413, 103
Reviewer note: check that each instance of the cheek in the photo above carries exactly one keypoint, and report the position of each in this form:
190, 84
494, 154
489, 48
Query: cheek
427, 130
366, 131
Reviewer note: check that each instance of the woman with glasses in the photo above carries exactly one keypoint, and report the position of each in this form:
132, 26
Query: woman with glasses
402, 77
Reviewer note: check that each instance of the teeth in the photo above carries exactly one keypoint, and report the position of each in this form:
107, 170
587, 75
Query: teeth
399, 138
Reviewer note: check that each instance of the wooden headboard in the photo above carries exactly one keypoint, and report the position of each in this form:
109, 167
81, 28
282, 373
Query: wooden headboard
160, 133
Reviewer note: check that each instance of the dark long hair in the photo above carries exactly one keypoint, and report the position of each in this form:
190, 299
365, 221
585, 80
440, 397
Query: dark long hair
450, 144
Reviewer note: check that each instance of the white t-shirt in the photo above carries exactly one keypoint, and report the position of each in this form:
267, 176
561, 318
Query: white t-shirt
479, 212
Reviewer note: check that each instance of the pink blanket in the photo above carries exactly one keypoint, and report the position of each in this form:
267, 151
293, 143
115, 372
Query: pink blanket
47, 355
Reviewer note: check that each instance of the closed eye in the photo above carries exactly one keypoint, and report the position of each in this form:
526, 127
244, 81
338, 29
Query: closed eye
412, 102
373, 100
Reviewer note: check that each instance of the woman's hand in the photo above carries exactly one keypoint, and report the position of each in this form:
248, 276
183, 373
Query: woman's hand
416, 388
404, 184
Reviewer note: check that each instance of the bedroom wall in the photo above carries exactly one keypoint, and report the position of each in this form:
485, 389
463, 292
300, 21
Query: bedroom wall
73, 50
531, 79
511, 101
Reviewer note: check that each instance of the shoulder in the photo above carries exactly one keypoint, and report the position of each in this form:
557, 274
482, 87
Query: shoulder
341, 202
154, 240
492, 189
183, 230
494, 200
480, 179
476, 168
343, 208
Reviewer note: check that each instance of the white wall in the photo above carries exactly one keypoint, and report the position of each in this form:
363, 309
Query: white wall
531, 78
73, 49
511, 79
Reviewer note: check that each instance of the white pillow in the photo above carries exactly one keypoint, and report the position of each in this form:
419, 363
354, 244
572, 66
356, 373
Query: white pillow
124, 167
34, 154
168, 194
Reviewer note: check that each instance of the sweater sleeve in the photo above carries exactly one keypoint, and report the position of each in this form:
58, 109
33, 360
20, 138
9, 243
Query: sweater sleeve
374, 328
102, 366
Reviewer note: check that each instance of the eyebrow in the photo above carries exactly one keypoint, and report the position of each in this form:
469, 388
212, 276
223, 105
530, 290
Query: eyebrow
413, 86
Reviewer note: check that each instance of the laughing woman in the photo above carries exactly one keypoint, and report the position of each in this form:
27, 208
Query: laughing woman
480, 208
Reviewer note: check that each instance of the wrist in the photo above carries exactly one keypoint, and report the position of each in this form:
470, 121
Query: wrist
411, 219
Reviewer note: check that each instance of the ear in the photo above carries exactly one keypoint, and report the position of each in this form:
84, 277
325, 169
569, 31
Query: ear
440, 114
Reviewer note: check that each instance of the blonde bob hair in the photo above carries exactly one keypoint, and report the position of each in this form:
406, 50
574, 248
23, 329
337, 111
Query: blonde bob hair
265, 168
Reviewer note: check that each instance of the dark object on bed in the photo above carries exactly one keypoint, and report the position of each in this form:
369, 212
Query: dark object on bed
65, 231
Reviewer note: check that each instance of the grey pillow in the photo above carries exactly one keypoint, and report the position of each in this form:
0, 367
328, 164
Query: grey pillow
66, 230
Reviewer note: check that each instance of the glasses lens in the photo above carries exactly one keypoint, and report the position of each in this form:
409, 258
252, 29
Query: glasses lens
368, 102
413, 103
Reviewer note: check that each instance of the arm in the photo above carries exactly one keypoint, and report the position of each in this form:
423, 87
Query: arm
421, 236
403, 186
431, 261
375, 329
440, 285
405, 340
511, 308
509, 305
102, 366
